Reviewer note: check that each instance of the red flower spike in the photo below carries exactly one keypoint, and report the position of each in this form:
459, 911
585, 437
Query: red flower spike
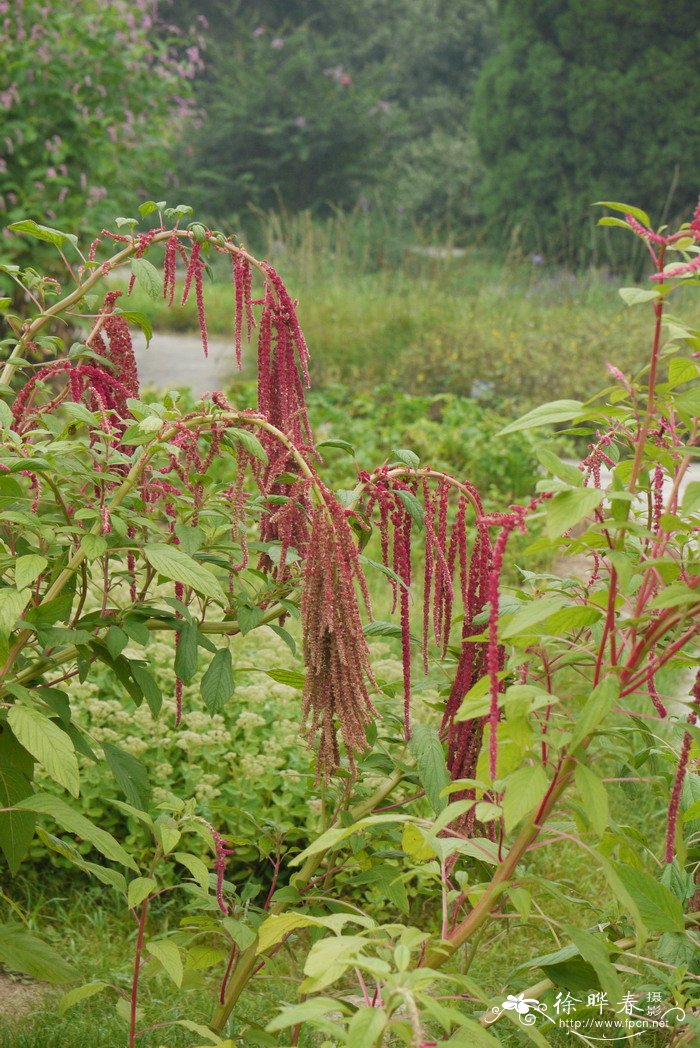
680, 777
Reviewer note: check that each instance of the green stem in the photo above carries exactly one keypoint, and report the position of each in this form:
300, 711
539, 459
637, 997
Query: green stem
250, 958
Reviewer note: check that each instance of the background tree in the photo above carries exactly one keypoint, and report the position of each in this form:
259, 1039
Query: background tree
314, 105
584, 100
95, 98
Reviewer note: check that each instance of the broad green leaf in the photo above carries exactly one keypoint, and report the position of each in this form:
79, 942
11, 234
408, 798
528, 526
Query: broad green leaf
186, 652
545, 415
472, 1035
275, 928
16, 827
22, 952
412, 506
377, 628
196, 867
567, 508
626, 209
51, 747
133, 316
72, 821
558, 468
130, 774
93, 546
148, 276
331, 838
217, 682
168, 953
149, 687
139, 889
533, 612
12, 604
635, 296
172, 563
417, 844
426, 748
46, 233
689, 403
28, 569
659, 909
69, 851
342, 445
594, 950
292, 678
249, 442
525, 788
312, 1009
594, 797
80, 993
366, 1027
199, 958
406, 457
599, 704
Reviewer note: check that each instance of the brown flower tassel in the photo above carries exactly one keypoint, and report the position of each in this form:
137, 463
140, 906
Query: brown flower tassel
336, 655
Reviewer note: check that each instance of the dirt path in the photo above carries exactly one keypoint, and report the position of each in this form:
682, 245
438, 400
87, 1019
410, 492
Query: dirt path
174, 360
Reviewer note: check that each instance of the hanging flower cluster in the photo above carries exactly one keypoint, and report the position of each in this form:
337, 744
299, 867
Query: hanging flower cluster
336, 655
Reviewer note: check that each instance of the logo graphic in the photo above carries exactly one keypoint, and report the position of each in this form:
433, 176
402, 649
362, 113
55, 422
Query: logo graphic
602, 1020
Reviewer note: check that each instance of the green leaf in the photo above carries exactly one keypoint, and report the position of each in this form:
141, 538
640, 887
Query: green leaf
249, 442
80, 993
594, 950
22, 952
691, 498
196, 867
381, 629
626, 209
148, 685
426, 748
277, 927
28, 569
168, 953
659, 909
217, 682
533, 612
292, 678
366, 1027
525, 789
406, 457
72, 821
12, 604
567, 508
599, 704
93, 546
51, 747
139, 889
134, 316
147, 275
545, 415
16, 828
635, 296
46, 233
472, 1036
342, 445
172, 563
558, 468
412, 506
331, 838
594, 797
130, 775
688, 403
308, 1010
186, 652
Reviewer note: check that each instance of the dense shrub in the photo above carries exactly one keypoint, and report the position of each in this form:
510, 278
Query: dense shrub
582, 102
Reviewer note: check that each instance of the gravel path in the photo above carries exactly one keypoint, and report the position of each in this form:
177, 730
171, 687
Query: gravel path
173, 360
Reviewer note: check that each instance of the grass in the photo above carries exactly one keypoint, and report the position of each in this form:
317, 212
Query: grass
514, 335
85, 924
